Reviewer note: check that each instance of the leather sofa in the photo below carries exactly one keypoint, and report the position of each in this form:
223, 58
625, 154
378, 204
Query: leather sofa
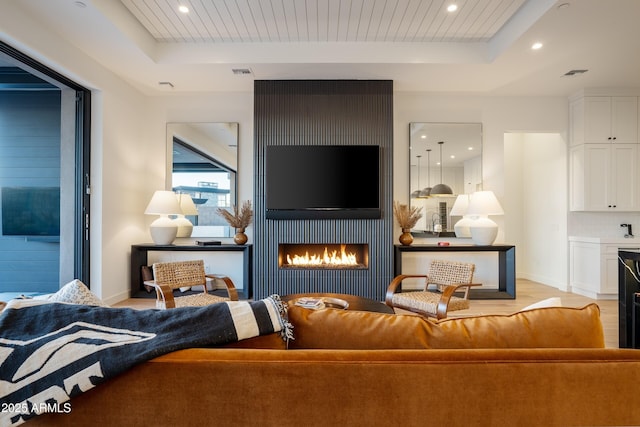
545, 366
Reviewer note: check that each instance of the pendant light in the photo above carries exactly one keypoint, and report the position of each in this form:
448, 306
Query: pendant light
416, 194
426, 192
441, 189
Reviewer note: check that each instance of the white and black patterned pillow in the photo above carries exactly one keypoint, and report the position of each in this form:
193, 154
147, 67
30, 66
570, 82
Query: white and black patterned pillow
76, 292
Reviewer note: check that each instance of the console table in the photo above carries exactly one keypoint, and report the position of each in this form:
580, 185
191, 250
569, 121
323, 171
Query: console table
506, 266
139, 257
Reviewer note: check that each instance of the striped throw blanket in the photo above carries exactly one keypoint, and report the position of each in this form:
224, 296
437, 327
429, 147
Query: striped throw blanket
50, 352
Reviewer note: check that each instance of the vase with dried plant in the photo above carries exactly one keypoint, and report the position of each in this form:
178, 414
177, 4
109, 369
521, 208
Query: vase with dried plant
407, 217
238, 218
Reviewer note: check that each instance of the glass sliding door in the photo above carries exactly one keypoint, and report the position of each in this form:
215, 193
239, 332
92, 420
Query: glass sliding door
44, 170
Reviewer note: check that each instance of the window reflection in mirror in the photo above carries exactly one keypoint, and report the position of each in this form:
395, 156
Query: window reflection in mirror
204, 165
461, 168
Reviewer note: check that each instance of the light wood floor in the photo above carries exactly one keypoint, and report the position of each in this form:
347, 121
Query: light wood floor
527, 292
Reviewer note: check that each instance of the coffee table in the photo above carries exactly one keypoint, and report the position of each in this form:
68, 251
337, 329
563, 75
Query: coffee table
355, 302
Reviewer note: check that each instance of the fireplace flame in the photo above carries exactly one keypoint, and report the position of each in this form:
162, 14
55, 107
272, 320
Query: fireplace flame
327, 258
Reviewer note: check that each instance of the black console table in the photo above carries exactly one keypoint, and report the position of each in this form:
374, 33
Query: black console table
506, 266
139, 257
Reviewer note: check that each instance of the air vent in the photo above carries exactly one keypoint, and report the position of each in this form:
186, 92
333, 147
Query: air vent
241, 71
574, 73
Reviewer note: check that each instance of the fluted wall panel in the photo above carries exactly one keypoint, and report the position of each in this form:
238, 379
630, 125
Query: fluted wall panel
323, 112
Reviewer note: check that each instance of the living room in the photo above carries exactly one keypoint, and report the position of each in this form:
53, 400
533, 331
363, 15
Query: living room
521, 100
129, 152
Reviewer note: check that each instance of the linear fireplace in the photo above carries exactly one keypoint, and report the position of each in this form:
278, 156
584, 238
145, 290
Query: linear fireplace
323, 256
304, 116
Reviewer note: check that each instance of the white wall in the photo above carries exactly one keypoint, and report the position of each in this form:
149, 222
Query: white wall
536, 180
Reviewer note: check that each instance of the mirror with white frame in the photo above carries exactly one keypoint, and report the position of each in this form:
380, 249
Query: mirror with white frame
202, 161
459, 147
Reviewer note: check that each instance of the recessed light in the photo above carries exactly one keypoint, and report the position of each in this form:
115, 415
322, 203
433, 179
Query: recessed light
536, 46
423, 136
470, 148
183, 9
563, 6
80, 4
166, 85
452, 7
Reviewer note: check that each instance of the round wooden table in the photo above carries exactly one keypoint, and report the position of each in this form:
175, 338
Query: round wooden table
355, 302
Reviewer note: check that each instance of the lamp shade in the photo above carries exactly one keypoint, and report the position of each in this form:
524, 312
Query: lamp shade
187, 205
484, 203
163, 230
163, 203
460, 205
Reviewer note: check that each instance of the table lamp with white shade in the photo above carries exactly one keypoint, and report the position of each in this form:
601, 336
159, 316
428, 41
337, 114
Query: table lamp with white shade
482, 204
185, 227
459, 208
163, 230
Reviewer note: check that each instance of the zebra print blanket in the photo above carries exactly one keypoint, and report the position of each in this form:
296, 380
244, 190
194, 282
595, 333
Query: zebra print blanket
50, 352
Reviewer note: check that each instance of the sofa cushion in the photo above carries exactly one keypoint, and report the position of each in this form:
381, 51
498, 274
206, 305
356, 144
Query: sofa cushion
555, 327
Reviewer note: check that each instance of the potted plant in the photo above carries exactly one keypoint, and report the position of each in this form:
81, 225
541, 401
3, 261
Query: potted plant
238, 218
407, 217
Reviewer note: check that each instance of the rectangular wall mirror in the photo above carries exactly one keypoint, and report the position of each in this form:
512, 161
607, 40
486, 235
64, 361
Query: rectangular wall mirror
459, 147
203, 162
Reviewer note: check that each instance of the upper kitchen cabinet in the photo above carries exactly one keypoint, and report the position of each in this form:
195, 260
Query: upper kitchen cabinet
604, 178
604, 119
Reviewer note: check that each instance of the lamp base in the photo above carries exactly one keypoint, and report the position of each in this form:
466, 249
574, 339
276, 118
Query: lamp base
185, 227
483, 231
163, 231
463, 227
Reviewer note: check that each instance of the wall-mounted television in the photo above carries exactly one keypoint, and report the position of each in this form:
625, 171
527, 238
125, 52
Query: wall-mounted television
323, 182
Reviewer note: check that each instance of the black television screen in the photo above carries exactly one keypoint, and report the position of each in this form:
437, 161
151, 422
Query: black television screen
323, 181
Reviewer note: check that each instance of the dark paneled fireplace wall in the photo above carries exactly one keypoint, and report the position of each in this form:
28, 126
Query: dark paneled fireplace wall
323, 112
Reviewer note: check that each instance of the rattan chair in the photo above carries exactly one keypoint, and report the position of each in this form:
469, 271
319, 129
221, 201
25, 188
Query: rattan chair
168, 276
449, 278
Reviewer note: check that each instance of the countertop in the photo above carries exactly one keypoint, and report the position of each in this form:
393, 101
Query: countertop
607, 240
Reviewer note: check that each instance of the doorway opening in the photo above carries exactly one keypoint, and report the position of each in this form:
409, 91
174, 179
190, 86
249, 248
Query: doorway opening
44, 176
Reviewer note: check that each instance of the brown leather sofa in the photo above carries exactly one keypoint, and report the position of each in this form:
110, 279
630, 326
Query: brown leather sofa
540, 367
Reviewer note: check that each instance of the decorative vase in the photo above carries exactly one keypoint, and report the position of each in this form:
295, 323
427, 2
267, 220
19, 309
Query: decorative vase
406, 238
240, 238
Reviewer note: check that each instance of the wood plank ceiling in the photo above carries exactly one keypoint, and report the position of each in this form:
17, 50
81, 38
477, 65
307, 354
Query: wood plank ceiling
299, 21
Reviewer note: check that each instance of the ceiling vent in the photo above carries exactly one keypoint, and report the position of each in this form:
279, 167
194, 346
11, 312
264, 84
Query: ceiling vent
571, 73
241, 71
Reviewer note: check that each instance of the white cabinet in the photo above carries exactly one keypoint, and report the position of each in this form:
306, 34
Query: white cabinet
604, 119
593, 266
604, 177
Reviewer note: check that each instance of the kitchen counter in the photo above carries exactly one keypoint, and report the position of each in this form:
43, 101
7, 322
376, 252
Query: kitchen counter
606, 240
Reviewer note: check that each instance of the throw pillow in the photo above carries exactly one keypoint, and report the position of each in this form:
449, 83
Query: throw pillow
76, 292
549, 302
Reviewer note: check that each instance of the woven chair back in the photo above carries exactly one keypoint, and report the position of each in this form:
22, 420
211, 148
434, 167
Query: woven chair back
443, 272
180, 273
